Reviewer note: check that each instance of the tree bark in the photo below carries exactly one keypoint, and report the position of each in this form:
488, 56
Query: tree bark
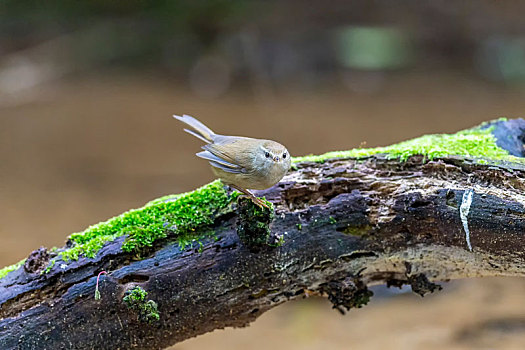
346, 224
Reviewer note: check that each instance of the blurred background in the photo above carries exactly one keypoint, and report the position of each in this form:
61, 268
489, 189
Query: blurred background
87, 90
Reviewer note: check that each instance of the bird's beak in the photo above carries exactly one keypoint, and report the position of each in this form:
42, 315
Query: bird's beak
276, 159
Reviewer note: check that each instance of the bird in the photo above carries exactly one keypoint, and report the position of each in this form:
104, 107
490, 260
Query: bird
243, 163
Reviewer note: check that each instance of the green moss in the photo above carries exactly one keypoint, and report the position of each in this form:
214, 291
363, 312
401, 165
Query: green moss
253, 224
476, 142
7, 269
332, 220
147, 310
175, 215
134, 296
178, 216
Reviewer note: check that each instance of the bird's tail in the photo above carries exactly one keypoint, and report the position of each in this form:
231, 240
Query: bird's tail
201, 131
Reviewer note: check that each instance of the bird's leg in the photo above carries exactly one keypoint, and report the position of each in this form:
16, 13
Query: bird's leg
250, 195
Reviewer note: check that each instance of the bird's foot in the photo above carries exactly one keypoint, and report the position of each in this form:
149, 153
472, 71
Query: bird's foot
256, 200
248, 194
260, 202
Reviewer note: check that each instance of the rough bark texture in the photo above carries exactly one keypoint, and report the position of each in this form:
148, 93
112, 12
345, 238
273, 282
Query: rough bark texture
346, 224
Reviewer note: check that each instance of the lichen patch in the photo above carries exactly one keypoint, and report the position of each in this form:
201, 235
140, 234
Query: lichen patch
464, 209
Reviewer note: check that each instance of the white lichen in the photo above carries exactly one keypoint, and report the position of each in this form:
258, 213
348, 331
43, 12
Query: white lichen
464, 209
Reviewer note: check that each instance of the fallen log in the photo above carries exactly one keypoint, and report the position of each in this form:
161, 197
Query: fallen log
339, 225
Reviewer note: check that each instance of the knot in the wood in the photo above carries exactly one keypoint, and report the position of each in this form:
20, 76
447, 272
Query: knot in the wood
253, 224
37, 260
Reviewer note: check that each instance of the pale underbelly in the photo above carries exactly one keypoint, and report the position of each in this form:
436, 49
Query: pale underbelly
248, 181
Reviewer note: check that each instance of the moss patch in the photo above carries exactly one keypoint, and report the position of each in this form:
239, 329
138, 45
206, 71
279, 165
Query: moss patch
175, 215
7, 269
476, 142
253, 224
135, 299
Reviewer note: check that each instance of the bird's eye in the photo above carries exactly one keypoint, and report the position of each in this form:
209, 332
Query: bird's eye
284, 155
267, 154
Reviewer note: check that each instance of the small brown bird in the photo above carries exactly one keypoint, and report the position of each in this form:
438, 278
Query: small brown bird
241, 162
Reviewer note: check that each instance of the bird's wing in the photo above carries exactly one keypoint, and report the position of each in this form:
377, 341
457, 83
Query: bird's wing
225, 168
221, 163
232, 150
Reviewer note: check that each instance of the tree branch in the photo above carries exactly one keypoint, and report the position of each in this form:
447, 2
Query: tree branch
346, 224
